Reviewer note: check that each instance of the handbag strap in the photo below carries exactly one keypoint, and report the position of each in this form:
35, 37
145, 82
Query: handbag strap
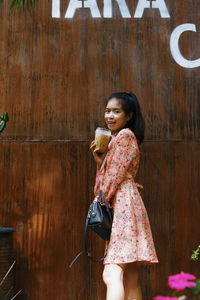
85, 247
102, 201
85, 244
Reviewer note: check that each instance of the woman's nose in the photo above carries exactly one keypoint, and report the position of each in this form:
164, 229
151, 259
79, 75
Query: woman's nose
110, 115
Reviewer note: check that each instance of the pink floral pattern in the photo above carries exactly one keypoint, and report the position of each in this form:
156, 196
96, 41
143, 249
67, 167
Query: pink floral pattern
131, 239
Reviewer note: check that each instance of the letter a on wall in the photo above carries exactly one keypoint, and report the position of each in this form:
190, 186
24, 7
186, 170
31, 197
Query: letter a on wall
160, 4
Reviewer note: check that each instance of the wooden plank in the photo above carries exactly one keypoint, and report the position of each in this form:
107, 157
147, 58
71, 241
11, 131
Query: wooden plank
170, 174
44, 195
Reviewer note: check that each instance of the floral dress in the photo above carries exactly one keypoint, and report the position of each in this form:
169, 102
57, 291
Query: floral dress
131, 239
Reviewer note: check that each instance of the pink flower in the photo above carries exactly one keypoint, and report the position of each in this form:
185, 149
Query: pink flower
164, 298
181, 281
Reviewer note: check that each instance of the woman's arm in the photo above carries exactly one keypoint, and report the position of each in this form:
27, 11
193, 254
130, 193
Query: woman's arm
125, 151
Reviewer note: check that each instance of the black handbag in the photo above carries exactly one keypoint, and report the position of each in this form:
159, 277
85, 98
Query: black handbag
99, 219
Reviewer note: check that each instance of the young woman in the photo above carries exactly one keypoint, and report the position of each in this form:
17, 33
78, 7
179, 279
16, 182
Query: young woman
131, 240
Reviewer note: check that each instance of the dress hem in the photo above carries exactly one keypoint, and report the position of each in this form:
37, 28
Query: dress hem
143, 262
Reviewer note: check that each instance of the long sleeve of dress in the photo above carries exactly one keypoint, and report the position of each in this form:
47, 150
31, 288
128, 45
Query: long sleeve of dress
116, 169
97, 183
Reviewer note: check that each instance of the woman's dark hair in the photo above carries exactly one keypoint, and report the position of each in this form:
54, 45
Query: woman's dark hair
130, 104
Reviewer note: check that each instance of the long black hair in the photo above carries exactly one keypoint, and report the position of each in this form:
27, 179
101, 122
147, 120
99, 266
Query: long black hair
130, 105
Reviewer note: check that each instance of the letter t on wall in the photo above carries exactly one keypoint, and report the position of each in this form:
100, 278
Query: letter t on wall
75, 4
55, 8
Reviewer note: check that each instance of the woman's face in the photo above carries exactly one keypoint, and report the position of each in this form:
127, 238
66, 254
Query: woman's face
115, 116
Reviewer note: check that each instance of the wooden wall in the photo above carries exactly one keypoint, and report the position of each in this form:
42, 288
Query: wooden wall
54, 77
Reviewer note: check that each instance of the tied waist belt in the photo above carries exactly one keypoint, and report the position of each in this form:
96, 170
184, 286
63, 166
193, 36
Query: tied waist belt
129, 176
139, 185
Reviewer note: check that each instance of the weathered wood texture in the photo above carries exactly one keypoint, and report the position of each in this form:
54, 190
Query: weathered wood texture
45, 198
60, 71
54, 77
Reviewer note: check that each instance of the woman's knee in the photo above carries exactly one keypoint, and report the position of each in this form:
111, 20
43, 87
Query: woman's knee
112, 273
132, 273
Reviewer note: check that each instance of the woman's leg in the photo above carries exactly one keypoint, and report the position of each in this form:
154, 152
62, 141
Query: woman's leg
113, 278
131, 283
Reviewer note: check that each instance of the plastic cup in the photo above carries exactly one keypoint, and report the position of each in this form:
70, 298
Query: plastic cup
102, 139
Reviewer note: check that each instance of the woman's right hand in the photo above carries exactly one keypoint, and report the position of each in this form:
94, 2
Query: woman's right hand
98, 157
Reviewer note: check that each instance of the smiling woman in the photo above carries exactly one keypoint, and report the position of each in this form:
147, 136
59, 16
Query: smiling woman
131, 242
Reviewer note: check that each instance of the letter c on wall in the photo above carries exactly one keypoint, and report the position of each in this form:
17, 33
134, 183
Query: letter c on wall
174, 46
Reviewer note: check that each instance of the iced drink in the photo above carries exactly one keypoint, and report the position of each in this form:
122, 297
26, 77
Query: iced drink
102, 139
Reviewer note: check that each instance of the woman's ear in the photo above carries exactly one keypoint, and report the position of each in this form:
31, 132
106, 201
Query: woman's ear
129, 116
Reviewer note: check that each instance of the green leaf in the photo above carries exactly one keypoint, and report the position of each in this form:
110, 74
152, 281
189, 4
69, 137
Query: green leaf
3, 120
17, 4
196, 254
196, 289
4, 116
